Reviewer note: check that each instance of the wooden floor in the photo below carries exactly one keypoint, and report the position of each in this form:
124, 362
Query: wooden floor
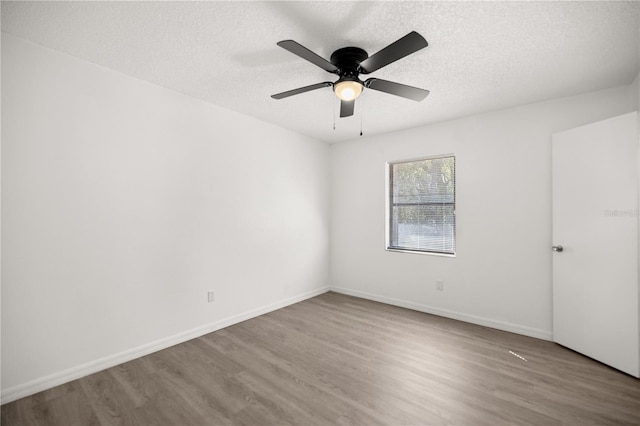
338, 360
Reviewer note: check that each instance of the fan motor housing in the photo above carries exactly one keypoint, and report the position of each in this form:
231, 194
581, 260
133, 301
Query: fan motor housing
348, 59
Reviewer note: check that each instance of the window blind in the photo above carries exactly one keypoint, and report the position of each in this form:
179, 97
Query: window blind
422, 205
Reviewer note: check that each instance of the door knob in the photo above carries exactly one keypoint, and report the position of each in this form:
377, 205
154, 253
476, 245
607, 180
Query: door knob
557, 249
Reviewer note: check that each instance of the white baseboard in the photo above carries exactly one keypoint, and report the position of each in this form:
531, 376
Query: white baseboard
487, 322
47, 382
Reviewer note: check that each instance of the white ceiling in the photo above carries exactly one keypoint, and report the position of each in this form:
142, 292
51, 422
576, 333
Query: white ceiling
482, 56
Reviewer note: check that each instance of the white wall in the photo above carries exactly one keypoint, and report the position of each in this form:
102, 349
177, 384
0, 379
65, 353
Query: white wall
501, 276
124, 202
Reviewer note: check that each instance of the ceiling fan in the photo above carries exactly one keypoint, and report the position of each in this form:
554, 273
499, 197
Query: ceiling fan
349, 62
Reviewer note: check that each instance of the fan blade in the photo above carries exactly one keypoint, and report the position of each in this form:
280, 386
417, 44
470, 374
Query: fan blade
397, 89
304, 53
301, 90
407, 45
346, 108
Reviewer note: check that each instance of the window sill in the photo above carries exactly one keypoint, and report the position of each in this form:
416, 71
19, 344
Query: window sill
427, 253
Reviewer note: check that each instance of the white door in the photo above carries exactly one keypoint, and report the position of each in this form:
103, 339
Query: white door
595, 220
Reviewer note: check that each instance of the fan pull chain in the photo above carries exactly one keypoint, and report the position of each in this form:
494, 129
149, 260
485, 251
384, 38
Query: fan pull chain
334, 111
361, 114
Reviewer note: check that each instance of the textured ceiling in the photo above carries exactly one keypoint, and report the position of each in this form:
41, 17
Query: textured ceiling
482, 56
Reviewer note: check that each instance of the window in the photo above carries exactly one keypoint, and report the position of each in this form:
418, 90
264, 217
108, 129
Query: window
422, 205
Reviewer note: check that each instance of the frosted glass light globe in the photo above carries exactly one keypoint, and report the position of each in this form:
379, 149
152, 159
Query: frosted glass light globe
348, 90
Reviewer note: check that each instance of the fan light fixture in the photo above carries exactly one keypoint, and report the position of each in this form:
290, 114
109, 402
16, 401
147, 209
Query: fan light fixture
348, 90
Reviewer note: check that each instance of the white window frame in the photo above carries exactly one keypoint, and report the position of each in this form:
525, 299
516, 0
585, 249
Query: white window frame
387, 197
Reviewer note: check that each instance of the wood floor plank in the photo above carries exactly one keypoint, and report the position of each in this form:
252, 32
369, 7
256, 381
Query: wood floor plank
108, 400
366, 391
340, 360
152, 399
294, 379
174, 374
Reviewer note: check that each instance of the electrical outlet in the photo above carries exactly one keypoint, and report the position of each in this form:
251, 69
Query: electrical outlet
440, 285
211, 296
